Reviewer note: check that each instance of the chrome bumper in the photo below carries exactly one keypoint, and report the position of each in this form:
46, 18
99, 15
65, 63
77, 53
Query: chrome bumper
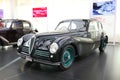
28, 58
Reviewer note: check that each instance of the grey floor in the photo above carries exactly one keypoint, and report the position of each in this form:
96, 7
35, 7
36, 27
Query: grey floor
93, 67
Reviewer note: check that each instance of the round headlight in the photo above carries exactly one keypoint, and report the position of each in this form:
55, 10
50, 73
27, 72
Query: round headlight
53, 47
20, 41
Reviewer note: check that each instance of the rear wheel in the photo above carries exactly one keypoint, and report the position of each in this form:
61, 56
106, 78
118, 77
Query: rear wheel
103, 44
67, 57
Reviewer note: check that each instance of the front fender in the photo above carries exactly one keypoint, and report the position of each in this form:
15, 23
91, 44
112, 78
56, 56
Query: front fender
63, 41
76, 42
27, 37
4, 40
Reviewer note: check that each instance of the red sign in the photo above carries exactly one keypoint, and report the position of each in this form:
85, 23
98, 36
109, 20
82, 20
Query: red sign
40, 12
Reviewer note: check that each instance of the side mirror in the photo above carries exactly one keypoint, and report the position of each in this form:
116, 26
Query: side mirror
36, 30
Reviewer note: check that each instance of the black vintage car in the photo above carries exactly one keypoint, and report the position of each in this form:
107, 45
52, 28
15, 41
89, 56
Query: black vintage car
75, 37
12, 29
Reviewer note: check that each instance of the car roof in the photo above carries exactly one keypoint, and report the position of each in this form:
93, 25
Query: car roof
91, 19
15, 20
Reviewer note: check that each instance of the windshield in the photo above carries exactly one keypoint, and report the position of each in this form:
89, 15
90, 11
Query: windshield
73, 25
63, 26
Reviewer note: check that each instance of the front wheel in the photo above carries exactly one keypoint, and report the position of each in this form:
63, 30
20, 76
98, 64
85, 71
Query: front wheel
67, 57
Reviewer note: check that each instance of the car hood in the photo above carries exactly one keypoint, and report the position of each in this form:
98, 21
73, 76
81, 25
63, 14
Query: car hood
48, 35
44, 40
55, 33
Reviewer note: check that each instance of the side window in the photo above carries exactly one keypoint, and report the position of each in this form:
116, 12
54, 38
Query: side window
78, 26
93, 26
63, 26
8, 24
100, 26
17, 25
26, 25
73, 26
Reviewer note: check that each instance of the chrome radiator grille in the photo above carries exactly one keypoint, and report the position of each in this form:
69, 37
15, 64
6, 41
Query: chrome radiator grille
28, 46
25, 49
41, 53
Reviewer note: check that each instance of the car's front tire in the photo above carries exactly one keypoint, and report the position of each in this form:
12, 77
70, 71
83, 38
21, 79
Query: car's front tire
67, 57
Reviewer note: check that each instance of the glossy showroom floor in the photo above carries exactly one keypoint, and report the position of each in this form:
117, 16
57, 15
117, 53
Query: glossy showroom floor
92, 67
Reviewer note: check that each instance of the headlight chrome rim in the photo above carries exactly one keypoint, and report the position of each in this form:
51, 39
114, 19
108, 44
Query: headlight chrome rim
53, 48
20, 41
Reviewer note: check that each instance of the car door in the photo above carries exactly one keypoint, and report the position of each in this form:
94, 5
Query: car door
83, 41
17, 28
9, 32
94, 34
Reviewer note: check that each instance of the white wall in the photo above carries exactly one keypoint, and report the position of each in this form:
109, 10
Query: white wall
108, 22
117, 28
24, 11
6, 9
114, 30
67, 9
57, 10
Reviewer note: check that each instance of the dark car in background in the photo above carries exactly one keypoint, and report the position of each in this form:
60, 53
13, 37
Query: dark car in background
12, 29
71, 38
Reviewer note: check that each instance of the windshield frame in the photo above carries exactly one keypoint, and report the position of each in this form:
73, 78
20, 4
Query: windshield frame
61, 23
69, 29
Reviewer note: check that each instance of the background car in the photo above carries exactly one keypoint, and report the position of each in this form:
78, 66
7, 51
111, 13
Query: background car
75, 37
12, 29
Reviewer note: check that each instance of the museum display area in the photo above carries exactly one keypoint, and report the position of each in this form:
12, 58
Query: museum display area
56, 37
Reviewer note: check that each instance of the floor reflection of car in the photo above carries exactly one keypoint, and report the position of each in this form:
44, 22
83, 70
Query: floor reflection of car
12, 29
76, 37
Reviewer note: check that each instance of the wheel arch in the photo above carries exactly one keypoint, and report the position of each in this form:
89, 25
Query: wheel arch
76, 49
68, 41
65, 65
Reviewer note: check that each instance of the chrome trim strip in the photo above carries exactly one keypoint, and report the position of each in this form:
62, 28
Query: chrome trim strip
31, 44
47, 62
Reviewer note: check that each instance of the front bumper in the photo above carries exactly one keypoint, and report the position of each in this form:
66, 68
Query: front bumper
28, 58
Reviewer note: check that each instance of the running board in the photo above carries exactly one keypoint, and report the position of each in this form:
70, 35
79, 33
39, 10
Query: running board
12, 43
